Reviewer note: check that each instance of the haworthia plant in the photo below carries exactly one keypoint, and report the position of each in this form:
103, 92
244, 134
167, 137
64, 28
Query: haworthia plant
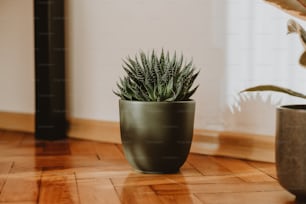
152, 77
293, 27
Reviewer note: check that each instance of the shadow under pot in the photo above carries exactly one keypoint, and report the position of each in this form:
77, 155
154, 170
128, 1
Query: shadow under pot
156, 136
291, 149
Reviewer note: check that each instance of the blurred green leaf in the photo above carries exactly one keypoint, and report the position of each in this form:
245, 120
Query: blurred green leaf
274, 88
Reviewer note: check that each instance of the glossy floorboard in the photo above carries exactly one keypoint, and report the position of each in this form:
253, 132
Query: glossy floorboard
86, 172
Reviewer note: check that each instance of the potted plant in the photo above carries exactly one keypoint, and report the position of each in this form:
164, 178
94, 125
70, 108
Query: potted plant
156, 112
290, 133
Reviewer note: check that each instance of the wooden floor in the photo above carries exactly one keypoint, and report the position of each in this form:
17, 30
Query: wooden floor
77, 171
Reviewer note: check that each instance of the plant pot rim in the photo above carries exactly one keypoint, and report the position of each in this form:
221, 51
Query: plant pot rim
293, 107
157, 102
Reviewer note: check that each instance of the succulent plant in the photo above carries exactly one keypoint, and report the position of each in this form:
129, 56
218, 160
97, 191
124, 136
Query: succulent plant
150, 77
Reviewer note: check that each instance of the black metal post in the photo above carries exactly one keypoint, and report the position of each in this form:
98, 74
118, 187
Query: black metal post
50, 121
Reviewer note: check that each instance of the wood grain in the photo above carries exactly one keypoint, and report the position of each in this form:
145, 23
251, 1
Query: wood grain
243, 170
21, 187
60, 188
77, 171
97, 191
17, 121
94, 130
5, 167
271, 197
220, 143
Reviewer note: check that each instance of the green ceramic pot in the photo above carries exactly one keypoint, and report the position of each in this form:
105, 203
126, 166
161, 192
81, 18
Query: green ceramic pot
291, 149
156, 136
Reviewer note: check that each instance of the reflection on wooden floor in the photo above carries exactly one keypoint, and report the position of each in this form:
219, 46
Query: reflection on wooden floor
86, 172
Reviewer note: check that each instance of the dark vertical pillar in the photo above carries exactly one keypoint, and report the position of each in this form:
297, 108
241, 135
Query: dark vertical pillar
50, 122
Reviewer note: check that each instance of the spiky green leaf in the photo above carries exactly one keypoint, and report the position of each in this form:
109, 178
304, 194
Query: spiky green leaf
156, 78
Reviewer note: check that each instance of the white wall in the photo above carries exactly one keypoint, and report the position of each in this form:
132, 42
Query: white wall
16, 56
259, 51
99, 33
